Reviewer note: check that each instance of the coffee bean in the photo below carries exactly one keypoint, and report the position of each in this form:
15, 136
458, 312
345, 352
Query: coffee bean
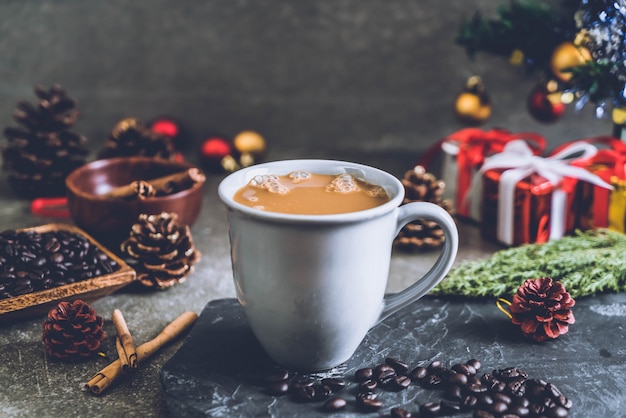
383, 370
277, 376
457, 379
334, 383
450, 407
454, 392
510, 373
485, 399
399, 366
368, 385
278, 388
469, 402
334, 404
321, 392
400, 382
519, 410
299, 382
557, 412
366, 395
398, 412
536, 408
480, 413
498, 408
368, 404
476, 388
305, 393
463, 369
435, 365
501, 397
521, 401
474, 363
430, 409
418, 374
516, 388
363, 374
565, 402
553, 391
432, 380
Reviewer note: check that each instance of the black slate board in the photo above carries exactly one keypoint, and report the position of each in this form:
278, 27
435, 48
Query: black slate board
216, 371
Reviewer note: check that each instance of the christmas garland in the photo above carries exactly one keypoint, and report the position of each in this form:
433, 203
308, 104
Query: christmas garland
587, 263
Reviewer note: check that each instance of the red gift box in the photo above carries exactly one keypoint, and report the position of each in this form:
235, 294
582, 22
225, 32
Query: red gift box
591, 209
529, 198
464, 152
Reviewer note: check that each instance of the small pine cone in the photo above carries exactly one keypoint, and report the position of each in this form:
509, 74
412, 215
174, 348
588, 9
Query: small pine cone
72, 330
542, 308
421, 186
162, 251
43, 151
131, 138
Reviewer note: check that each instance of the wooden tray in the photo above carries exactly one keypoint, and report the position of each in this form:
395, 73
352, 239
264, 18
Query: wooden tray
39, 303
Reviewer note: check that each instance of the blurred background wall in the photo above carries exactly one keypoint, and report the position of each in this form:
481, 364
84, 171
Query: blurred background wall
367, 80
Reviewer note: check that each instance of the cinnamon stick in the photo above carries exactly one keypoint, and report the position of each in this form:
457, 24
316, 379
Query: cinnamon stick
107, 376
159, 186
124, 343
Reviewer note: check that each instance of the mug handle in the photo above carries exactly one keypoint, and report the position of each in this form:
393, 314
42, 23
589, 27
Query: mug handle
431, 212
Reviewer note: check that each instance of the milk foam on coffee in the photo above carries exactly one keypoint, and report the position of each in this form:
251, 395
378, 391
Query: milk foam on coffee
304, 193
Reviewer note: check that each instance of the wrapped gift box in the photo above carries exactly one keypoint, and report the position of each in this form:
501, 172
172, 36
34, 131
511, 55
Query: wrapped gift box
529, 199
464, 152
595, 204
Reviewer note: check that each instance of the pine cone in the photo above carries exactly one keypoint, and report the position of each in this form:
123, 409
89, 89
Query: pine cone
163, 252
421, 186
43, 151
542, 309
131, 138
72, 330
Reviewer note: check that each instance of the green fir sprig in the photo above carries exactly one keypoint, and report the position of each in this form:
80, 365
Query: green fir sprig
532, 27
586, 263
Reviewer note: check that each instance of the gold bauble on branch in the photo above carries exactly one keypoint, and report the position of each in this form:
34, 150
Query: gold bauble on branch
568, 55
473, 105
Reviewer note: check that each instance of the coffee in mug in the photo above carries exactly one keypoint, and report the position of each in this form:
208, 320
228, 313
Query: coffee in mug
305, 193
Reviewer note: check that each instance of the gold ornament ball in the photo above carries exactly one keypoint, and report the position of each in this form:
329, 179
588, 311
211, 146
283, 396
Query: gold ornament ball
249, 142
472, 108
568, 55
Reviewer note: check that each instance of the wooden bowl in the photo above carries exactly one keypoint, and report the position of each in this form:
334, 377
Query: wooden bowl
39, 303
109, 219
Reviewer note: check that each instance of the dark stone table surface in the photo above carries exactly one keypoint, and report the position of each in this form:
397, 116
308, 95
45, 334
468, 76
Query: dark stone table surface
218, 370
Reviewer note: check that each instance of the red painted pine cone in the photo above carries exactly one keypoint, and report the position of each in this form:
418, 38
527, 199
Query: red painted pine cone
73, 330
542, 308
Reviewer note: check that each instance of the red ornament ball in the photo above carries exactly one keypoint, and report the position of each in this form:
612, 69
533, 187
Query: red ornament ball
212, 152
544, 106
165, 127
171, 128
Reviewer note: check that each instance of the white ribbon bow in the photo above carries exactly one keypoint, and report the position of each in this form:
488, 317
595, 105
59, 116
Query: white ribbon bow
520, 161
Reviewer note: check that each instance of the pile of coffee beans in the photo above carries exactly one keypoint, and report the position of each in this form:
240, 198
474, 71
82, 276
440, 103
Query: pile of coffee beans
503, 393
31, 261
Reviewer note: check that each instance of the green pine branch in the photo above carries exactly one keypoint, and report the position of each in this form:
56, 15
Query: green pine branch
597, 79
587, 263
533, 28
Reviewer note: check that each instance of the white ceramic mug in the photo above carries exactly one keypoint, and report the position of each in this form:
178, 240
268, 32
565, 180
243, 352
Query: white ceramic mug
312, 286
